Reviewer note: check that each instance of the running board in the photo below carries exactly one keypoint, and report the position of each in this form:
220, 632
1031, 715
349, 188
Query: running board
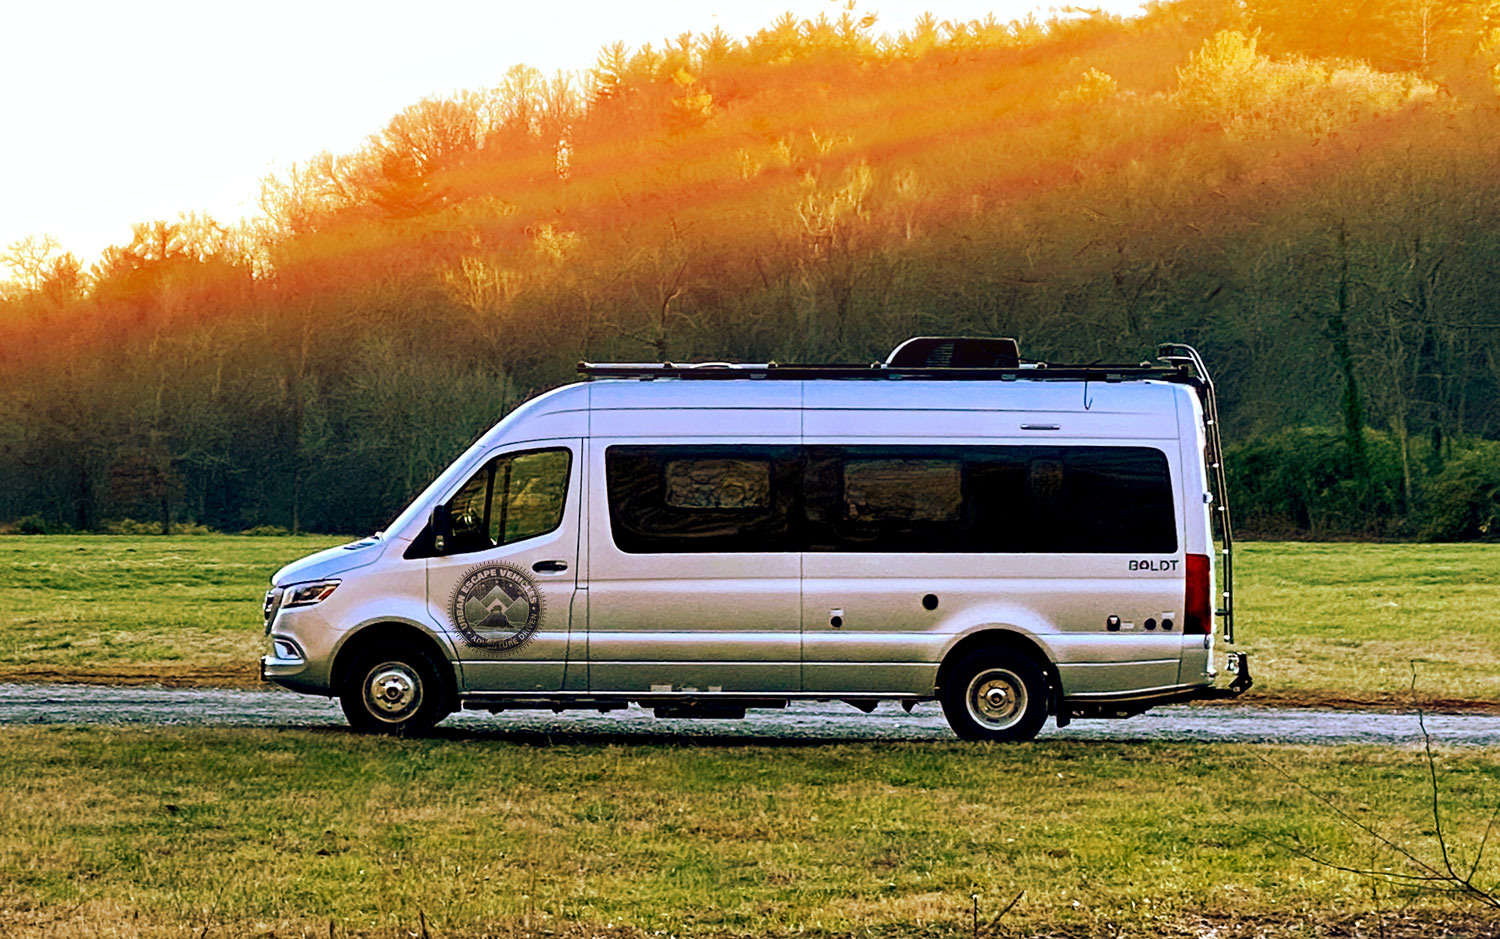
615, 700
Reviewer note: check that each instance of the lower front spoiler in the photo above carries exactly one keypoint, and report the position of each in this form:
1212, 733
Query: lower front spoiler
274, 668
1239, 667
290, 672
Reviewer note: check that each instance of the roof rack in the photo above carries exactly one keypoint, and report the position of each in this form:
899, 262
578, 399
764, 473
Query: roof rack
725, 371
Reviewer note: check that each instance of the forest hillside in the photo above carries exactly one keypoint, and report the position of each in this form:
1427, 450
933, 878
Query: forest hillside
1308, 191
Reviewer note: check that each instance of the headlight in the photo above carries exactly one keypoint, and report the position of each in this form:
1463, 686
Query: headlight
308, 594
271, 605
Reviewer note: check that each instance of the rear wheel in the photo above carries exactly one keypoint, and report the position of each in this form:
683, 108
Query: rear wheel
995, 694
394, 689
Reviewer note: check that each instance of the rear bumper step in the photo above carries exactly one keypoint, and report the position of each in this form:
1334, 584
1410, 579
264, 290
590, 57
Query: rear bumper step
1239, 667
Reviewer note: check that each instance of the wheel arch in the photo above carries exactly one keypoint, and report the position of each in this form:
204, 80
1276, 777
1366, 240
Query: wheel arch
389, 632
1002, 638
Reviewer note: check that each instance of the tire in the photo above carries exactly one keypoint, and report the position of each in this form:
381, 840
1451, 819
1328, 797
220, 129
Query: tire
995, 694
394, 689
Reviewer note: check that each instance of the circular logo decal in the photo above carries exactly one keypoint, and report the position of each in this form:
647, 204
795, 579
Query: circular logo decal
496, 607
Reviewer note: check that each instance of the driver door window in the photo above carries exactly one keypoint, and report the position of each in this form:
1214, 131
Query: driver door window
513, 497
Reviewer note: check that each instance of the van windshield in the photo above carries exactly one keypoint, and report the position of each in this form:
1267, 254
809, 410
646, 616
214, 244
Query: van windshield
414, 515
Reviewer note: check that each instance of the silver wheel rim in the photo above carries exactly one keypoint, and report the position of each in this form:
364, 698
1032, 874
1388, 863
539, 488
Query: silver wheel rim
392, 691
997, 699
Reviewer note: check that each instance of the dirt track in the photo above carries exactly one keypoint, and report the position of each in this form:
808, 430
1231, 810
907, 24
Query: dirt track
245, 678
158, 706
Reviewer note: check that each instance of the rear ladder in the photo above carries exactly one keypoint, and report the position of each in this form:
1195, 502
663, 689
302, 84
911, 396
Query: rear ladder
1182, 354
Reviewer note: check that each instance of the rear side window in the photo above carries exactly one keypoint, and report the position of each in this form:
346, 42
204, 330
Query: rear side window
914, 490
1063, 500
665, 499
1110, 499
881, 500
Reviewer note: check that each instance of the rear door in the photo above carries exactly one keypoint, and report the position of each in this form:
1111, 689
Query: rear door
504, 585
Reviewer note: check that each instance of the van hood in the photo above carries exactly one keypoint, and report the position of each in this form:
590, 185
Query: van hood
331, 563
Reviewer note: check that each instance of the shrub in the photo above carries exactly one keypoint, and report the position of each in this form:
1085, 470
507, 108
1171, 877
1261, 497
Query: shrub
31, 525
192, 528
266, 531
129, 526
1463, 501
1300, 480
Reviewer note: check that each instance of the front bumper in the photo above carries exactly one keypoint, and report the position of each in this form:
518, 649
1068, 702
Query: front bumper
284, 661
299, 648
289, 666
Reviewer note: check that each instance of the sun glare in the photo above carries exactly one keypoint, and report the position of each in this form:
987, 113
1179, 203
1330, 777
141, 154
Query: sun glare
169, 106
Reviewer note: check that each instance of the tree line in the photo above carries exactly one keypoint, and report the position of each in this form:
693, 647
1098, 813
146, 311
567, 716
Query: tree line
1321, 218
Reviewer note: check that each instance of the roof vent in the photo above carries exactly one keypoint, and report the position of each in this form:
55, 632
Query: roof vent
955, 352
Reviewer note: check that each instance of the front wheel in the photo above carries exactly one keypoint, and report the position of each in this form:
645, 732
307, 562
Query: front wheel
995, 694
393, 690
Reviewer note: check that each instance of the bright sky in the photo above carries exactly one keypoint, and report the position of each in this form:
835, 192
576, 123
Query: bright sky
126, 112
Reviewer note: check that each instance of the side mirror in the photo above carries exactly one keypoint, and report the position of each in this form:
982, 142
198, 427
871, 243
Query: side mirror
442, 528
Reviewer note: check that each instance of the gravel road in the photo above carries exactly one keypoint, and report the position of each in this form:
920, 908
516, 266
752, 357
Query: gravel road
163, 707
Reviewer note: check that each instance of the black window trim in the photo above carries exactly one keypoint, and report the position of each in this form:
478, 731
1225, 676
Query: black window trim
800, 526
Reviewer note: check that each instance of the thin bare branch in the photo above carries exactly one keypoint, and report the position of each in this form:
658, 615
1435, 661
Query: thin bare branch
1351, 820
1484, 841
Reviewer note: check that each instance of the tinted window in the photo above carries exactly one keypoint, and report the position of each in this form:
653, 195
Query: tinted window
713, 483
990, 499
702, 498
875, 500
513, 497
1108, 499
914, 490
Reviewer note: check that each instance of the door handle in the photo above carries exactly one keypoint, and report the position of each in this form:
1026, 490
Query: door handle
550, 567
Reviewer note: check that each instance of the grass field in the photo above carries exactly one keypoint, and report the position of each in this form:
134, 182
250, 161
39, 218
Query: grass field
1336, 621
126, 607
1324, 622
237, 832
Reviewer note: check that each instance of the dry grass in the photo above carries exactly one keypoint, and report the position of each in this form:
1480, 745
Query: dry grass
156, 832
1347, 622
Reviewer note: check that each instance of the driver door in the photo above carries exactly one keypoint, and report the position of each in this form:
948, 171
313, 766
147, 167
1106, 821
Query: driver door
502, 586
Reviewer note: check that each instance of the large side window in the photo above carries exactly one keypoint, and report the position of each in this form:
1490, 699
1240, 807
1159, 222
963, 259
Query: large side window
888, 500
666, 499
1101, 499
511, 498
1065, 500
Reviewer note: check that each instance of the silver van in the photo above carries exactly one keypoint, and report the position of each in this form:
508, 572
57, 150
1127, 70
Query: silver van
1014, 540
